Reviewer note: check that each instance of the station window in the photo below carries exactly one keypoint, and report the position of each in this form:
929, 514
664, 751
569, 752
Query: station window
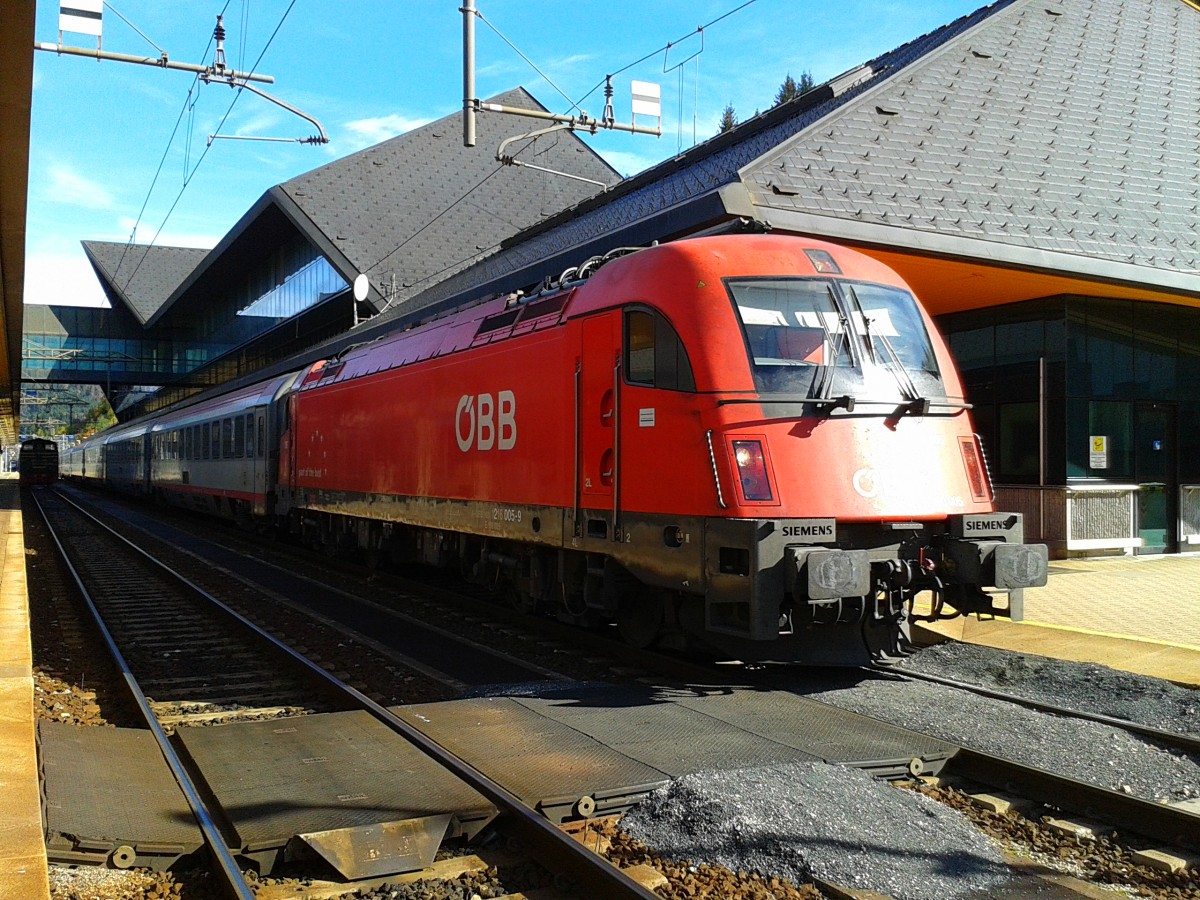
654, 354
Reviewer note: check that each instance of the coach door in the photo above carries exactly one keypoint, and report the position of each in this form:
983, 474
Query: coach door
597, 408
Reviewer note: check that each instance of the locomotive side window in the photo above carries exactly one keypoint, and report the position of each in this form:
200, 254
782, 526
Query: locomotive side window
654, 354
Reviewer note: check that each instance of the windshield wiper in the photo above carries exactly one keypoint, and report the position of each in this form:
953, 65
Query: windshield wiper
917, 405
823, 384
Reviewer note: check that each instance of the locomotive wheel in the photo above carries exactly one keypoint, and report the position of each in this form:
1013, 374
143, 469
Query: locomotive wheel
520, 600
640, 616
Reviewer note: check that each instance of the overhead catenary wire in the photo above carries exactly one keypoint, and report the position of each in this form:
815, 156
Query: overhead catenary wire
461, 198
531, 63
187, 180
116, 12
699, 29
188, 102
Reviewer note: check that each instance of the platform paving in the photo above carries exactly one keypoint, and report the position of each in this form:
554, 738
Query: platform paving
1135, 613
22, 844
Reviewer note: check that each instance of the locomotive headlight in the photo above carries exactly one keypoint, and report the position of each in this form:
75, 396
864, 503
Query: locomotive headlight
752, 470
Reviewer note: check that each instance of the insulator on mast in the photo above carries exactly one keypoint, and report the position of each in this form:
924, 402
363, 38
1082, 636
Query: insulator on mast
219, 37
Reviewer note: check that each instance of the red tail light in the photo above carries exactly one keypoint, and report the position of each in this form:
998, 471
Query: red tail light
977, 477
752, 470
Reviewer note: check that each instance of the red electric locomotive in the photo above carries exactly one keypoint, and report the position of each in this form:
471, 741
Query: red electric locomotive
756, 442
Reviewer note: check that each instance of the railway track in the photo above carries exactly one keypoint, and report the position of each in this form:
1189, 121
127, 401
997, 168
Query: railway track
126, 589
1187, 743
1166, 825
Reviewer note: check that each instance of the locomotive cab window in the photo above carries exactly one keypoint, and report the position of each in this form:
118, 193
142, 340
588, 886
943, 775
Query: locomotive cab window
654, 354
824, 338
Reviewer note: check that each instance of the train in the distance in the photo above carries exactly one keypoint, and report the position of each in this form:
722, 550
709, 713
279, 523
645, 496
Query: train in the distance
37, 461
755, 443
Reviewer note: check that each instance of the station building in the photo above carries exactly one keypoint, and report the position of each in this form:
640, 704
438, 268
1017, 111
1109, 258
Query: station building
1032, 170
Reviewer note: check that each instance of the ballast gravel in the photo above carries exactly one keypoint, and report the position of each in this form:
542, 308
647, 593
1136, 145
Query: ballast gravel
1083, 686
803, 820
1102, 755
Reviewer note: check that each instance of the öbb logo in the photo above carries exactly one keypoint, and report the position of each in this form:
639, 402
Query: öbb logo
486, 423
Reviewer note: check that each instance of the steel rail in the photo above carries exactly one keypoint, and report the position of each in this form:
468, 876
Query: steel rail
547, 842
235, 883
1187, 742
1171, 824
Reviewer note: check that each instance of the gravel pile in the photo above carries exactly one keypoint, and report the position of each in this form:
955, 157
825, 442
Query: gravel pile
798, 821
1097, 754
1083, 686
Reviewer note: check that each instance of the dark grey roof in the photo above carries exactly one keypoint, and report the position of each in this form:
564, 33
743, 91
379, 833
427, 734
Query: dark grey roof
140, 276
1059, 127
1062, 136
421, 205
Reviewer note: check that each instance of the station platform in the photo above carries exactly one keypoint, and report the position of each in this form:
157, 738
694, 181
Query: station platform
23, 870
1138, 614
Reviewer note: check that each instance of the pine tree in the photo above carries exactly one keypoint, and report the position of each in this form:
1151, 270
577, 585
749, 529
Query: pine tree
791, 89
728, 119
788, 90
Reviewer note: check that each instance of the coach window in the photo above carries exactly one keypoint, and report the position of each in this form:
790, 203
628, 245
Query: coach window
205, 440
215, 444
654, 355
239, 437
249, 435
262, 436
196, 445
226, 438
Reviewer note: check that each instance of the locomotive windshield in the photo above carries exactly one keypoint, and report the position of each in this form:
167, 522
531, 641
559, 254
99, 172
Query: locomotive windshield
822, 338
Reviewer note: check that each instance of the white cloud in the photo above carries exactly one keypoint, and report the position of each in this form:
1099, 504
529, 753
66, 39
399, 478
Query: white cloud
62, 279
68, 186
167, 238
628, 163
365, 132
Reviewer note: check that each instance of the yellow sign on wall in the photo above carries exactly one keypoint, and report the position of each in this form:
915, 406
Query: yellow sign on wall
1099, 455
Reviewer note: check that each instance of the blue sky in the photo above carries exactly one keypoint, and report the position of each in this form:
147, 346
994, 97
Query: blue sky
368, 71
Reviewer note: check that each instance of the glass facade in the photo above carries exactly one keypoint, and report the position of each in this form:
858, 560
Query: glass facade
89, 345
306, 287
1121, 370
202, 341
